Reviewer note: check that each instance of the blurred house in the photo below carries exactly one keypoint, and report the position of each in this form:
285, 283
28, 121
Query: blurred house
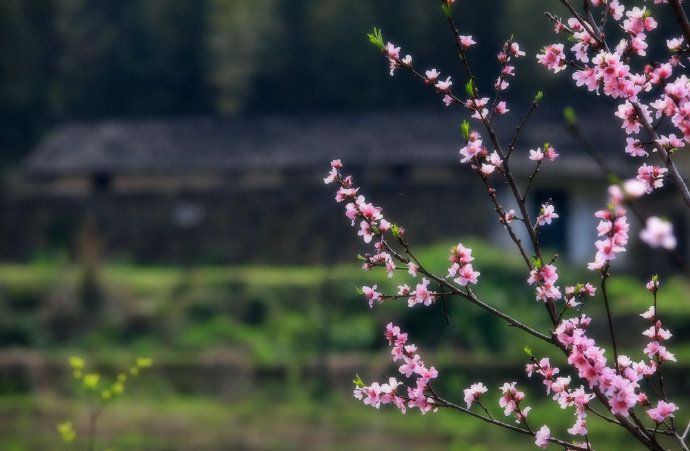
251, 189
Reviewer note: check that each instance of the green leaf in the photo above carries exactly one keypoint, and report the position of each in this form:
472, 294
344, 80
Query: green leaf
446, 9
376, 38
569, 115
614, 179
144, 362
67, 432
528, 351
537, 262
76, 362
91, 381
395, 230
465, 126
358, 381
538, 97
361, 257
469, 88
359, 290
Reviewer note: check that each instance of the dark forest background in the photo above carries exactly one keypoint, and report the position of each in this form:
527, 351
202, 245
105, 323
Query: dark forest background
77, 59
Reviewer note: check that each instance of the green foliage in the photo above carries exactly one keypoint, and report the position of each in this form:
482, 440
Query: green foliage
376, 38
67, 432
465, 127
96, 399
538, 97
284, 322
469, 88
446, 9
569, 115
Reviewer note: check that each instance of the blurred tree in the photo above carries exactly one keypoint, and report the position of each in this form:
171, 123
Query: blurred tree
241, 37
26, 67
64, 59
129, 58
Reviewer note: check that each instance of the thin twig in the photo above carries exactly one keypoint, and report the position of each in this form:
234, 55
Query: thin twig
518, 129
440, 402
672, 170
578, 133
681, 18
500, 210
685, 433
585, 24
604, 276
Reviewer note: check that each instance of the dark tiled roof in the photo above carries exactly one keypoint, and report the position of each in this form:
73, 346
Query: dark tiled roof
287, 142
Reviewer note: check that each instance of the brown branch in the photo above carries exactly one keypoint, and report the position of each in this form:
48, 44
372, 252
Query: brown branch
469, 295
672, 170
440, 402
590, 18
577, 132
585, 24
502, 214
681, 18
604, 276
518, 129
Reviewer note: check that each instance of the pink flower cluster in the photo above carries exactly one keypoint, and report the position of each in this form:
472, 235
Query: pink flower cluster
614, 228
675, 103
510, 401
572, 293
542, 437
442, 86
658, 233
548, 213
461, 269
371, 222
375, 394
552, 57
421, 294
600, 69
651, 176
548, 152
372, 295
654, 350
608, 68
662, 411
475, 153
545, 278
562, 393
393, 54
656, 334
620, 385
478, 106
473, 148
510, 50
473, 393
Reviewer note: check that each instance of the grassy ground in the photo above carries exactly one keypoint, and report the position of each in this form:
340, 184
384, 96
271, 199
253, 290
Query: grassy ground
261, 357
269, 420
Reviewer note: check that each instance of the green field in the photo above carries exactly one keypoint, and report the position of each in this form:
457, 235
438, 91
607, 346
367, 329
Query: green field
262, 357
